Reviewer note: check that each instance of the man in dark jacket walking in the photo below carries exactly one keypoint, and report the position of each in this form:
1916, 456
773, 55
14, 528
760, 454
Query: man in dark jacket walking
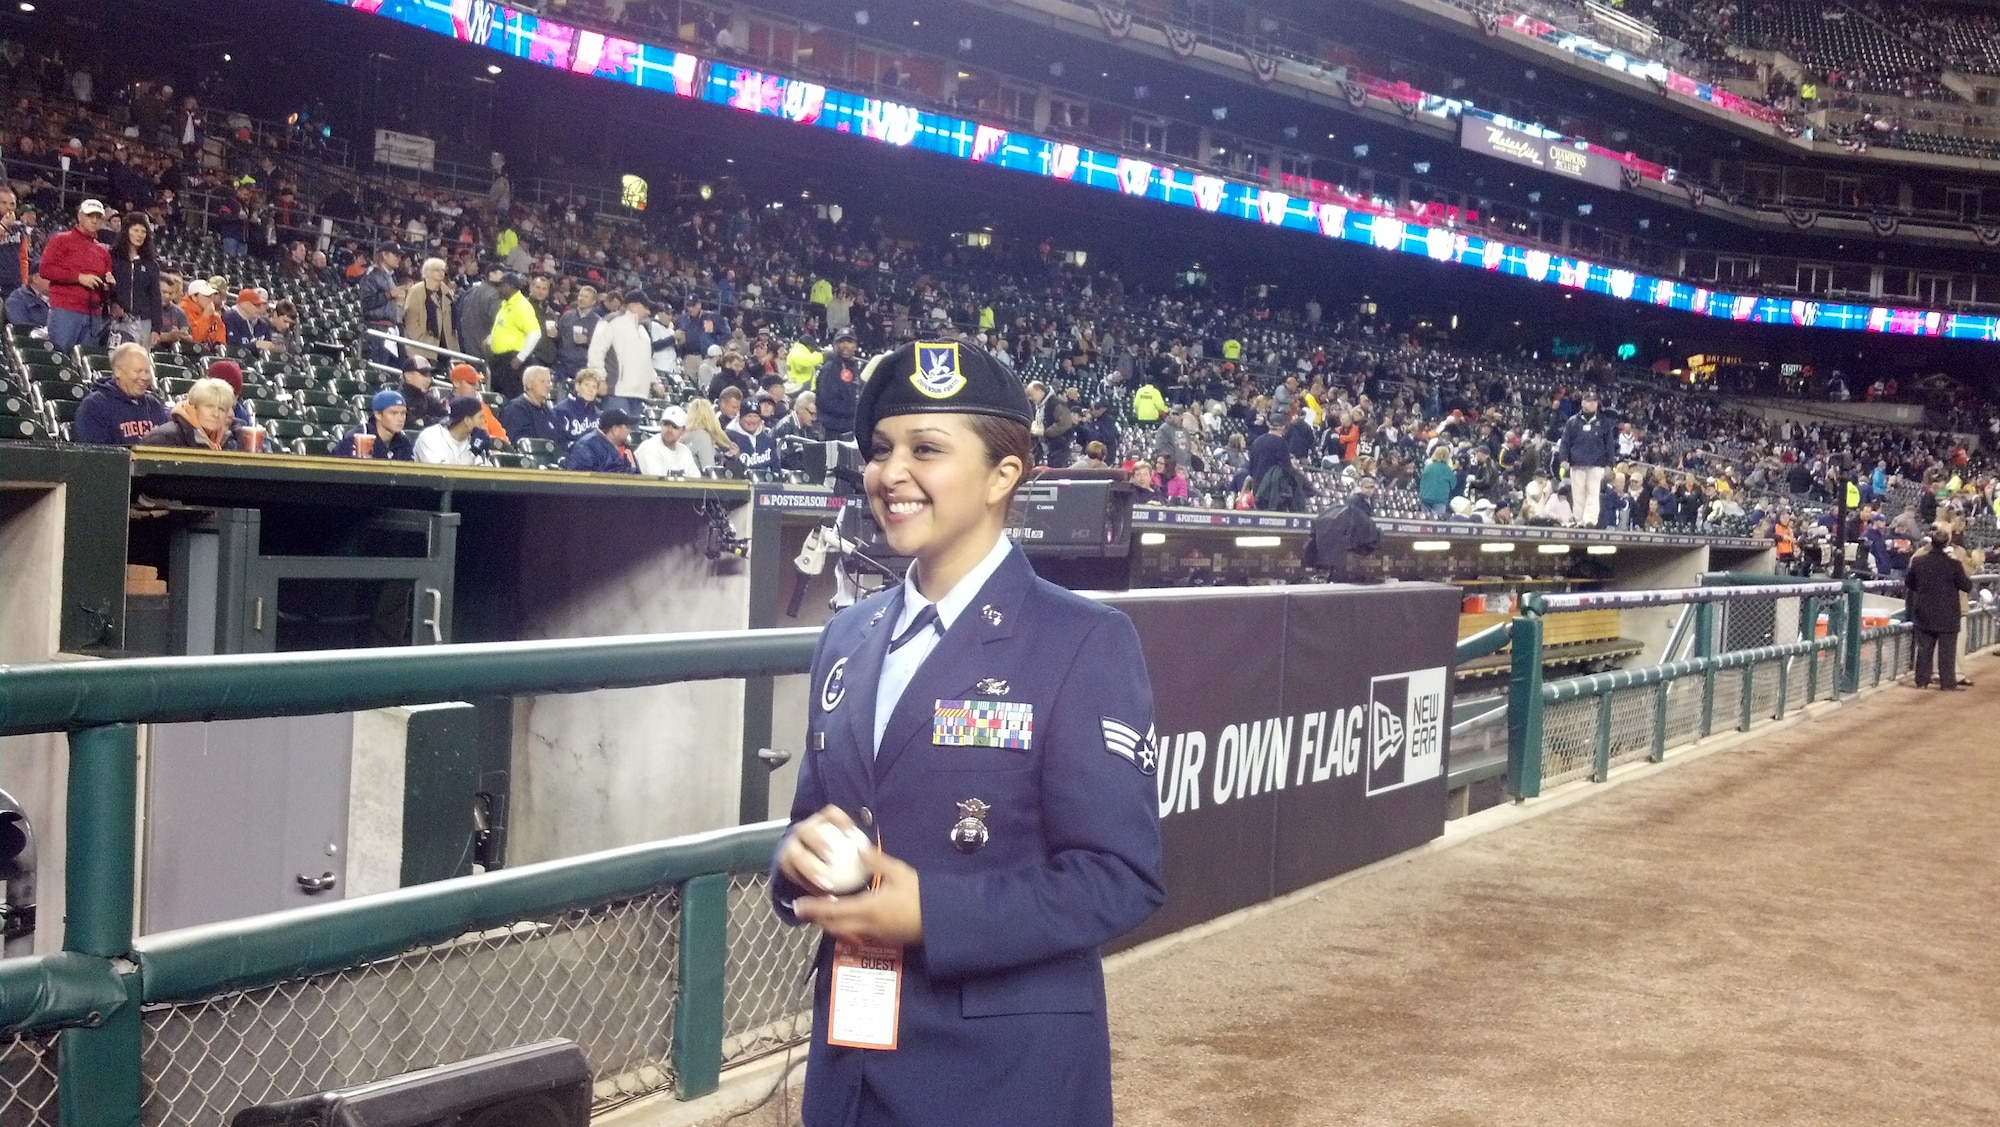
1589, 446
1931, 592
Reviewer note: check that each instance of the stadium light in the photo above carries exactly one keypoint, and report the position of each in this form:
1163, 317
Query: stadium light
1497, 549
1553, 549
27, 7
492, 68
1431, 546
1603, 549
1259, 541
1152, 539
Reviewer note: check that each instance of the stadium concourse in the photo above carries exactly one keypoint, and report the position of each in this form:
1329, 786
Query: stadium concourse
1794, 928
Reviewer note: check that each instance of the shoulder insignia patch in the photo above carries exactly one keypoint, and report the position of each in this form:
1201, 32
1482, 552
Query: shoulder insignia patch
1128, 743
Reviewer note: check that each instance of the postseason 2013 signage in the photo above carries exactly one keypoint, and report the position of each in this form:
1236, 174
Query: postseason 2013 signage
1484, 135
1300, 732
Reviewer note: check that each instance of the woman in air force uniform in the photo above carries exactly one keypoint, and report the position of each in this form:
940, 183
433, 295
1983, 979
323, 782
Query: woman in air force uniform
990, 734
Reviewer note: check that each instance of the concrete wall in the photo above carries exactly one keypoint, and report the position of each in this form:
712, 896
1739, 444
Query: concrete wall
1876, 414
34, 769
597, 770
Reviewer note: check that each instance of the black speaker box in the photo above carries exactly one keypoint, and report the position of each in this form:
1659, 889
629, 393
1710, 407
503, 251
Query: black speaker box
546, 1084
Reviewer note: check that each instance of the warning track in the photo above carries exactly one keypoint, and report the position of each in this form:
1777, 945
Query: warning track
1802, 930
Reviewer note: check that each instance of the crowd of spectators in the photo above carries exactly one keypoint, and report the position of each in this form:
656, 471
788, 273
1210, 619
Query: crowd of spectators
710, 336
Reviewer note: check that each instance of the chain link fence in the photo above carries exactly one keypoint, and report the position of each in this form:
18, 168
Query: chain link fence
1633, 723
603, 977
1764, 690
28, 1079
1798, 686
767, 978
1569, 731
1571, 727
1683, 711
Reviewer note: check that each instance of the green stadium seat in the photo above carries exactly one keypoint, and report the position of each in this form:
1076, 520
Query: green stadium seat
540, 450
22, 429
57, 390
288, 430
328, 417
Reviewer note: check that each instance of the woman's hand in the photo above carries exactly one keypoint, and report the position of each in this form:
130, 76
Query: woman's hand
889, 913
803, 859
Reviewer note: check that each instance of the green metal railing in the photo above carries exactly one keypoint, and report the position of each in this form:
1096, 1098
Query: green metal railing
177, 1027
1582, 727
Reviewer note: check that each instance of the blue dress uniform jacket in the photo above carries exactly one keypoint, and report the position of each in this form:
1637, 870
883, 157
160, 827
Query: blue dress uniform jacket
1003, 1015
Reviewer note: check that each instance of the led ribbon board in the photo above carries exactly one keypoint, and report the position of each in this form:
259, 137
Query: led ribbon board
545, 42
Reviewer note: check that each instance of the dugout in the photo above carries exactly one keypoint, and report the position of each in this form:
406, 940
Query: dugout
345, 553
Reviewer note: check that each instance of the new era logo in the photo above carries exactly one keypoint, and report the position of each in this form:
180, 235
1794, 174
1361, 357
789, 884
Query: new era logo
1406, 726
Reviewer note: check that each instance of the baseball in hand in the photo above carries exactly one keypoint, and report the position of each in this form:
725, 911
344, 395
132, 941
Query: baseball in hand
843, 869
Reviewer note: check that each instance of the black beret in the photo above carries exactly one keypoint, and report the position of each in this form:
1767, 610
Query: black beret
939, 376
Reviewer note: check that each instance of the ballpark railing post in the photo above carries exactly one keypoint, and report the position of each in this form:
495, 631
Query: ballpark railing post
1524, 706
704, 955
1850, 654
1659, 751
1704, 652
98, 1064
1784, 686
1749, 697
1600, 755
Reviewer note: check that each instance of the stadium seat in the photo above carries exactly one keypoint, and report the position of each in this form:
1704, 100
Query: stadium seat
15, 427
325, 417
57, 390
540, 450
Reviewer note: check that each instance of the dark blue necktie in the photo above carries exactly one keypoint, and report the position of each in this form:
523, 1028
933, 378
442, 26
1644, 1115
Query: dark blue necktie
926, 618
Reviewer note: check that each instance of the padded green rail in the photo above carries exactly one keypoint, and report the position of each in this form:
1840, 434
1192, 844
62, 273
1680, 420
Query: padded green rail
44, 990
62, 696
1596, 684
1491, 640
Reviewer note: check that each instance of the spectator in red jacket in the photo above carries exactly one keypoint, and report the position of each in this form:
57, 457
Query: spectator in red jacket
78, 268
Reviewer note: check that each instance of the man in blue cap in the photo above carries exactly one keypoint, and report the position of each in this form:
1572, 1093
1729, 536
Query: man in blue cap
385, 438
603, 450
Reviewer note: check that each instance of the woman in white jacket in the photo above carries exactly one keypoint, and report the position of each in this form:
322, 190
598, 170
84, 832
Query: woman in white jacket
622, 349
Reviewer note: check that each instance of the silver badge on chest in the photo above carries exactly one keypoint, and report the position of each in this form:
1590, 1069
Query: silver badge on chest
969, 834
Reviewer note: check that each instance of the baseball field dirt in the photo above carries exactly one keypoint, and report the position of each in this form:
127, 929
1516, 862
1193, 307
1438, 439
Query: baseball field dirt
1797, 931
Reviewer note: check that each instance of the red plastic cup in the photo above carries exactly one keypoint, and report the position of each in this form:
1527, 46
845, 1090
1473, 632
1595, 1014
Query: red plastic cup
253, 440
364, 444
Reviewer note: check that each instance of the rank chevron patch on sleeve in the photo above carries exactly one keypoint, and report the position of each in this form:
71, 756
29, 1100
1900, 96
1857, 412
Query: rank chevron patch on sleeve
1130, 744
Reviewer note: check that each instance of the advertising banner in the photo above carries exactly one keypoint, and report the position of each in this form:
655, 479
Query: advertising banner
1550, 155
1301, 734
406, 150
